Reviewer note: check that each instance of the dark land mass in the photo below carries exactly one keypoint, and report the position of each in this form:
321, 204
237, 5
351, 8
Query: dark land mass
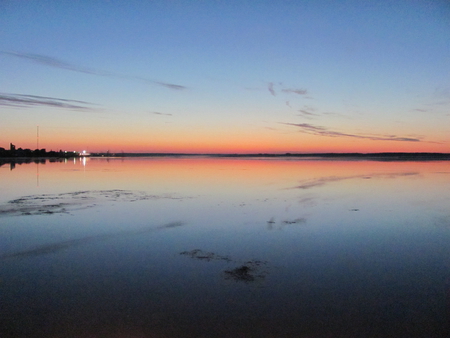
15, 155
14, 152
20, 155
385, 156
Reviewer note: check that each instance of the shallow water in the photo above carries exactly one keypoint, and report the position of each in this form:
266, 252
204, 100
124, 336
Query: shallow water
207, 247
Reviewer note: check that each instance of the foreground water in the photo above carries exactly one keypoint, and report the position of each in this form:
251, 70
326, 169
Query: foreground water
203, 247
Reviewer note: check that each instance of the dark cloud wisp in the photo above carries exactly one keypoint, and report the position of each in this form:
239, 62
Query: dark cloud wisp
270, 88
53, 62
19, 100
322, 131
295, 91
158, 113
306, 113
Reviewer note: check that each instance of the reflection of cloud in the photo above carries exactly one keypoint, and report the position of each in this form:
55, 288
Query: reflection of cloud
271, 224
18, 100
49, 248
48, 204
295, 91
52, 62
318, 182
322, 131
307, 201
171, 225
204, 255
55, 247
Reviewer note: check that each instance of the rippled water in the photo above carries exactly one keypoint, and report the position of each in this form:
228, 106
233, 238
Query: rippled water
206, 247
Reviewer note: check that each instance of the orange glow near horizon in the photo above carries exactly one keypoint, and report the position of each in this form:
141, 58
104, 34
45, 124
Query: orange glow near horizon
240, 149
243, 148
221, 142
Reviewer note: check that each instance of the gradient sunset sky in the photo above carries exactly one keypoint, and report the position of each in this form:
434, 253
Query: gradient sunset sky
225, 76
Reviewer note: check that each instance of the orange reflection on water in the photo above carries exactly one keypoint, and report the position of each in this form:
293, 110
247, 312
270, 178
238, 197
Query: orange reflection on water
205, 173
223, 173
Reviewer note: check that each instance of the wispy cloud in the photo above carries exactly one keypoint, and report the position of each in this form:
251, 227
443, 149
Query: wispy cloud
170, 85
18, 100
305, 112
295, 91
53, 62
307, 115
158, 113
270, 88
336, 115
322, 131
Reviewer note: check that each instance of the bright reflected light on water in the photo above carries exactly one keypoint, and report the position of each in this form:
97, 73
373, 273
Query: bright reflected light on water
196, 247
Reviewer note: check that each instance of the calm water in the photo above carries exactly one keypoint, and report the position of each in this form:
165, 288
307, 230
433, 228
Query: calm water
200, 247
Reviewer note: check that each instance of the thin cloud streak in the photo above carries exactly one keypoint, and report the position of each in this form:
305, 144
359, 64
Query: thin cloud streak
53, 62
158, 113
270, 88
19, 100
305, 112
295, 91
171, 85
322, 131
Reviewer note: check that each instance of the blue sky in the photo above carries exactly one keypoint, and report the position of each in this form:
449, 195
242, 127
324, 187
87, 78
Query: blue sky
226, 76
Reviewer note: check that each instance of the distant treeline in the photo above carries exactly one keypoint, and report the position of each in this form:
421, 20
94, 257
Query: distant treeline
19, 152
385, 156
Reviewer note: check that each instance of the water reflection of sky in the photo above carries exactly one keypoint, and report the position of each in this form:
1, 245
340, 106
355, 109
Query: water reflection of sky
271, 248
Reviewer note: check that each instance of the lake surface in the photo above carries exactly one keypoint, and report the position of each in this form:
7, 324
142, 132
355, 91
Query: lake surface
214, 247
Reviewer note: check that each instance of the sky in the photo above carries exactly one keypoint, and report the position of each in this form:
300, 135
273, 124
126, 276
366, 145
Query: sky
225, 76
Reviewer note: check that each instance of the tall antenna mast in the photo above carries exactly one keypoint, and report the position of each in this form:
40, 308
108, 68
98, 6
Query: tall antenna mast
37, 138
